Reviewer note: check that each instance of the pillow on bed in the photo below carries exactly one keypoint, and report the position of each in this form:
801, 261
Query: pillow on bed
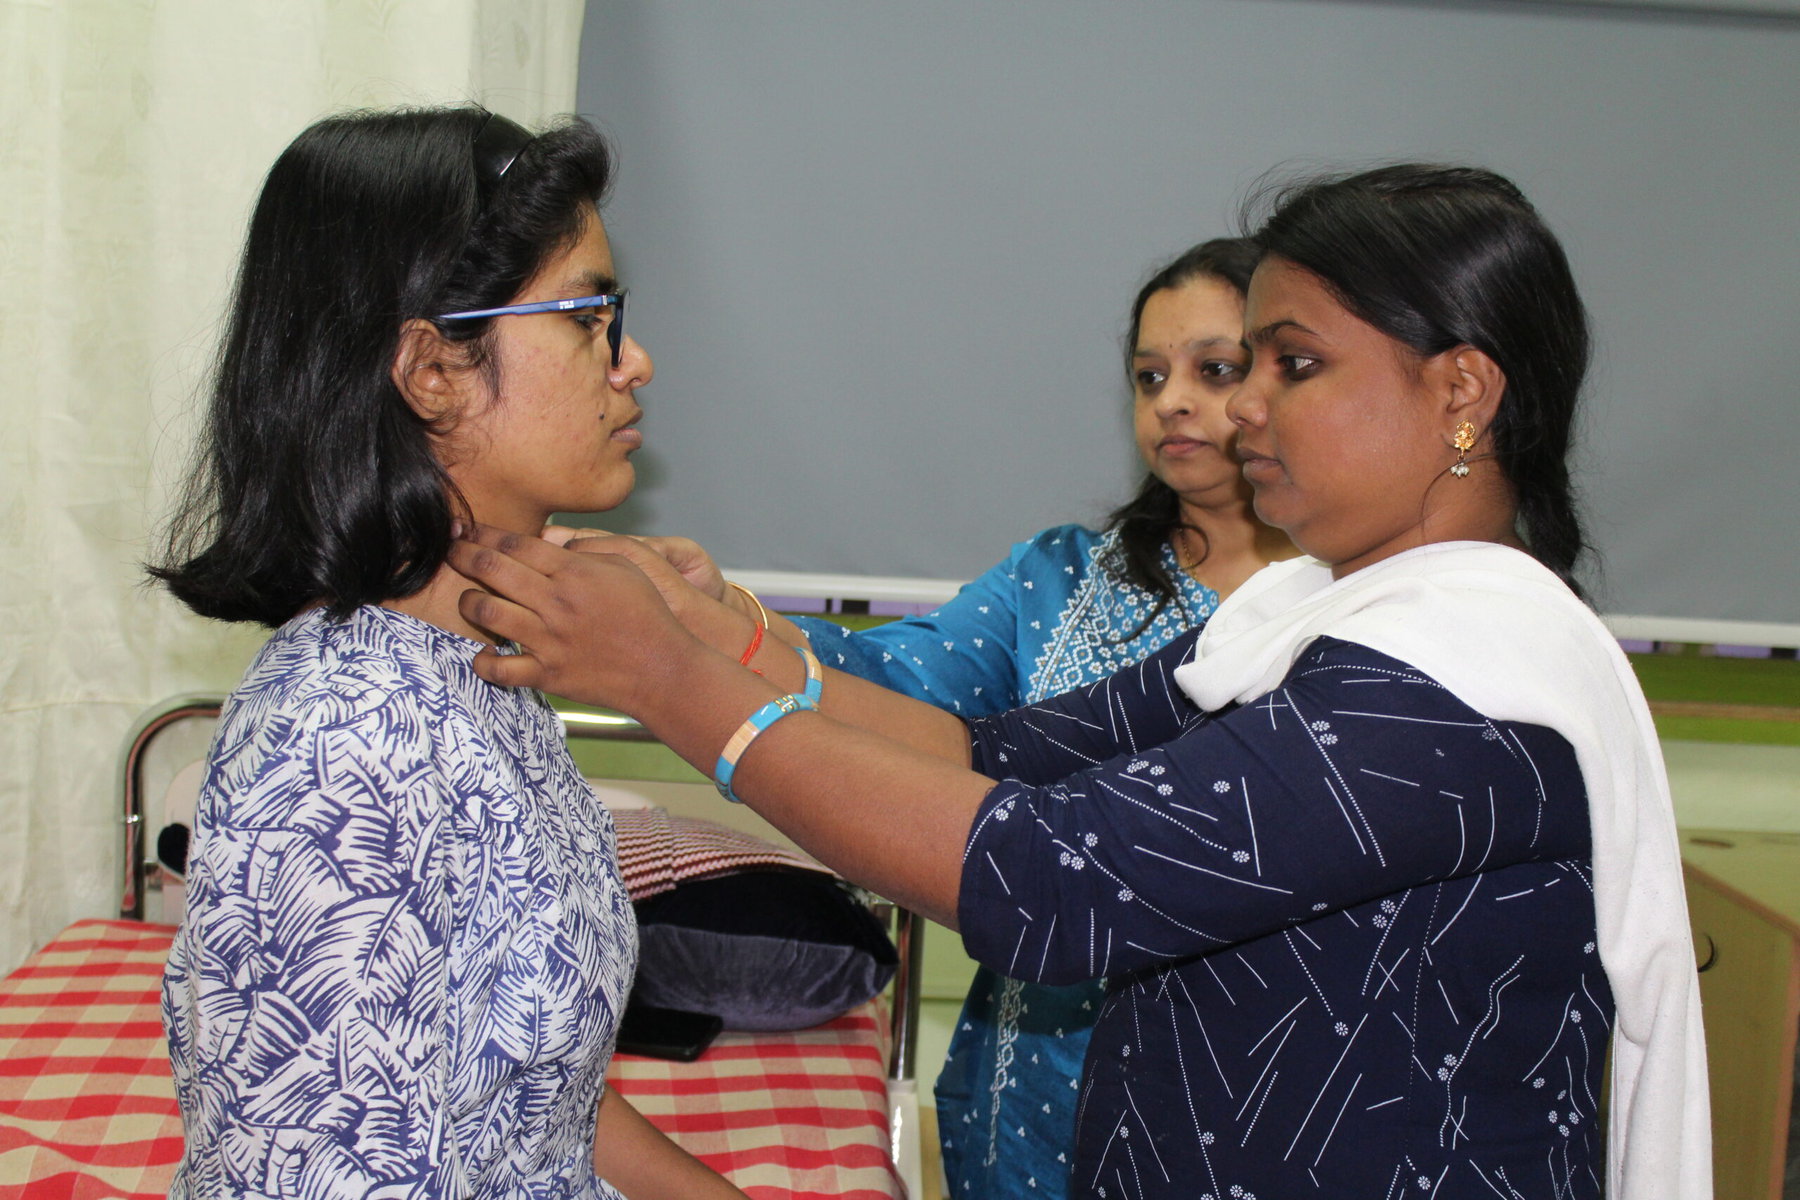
658, 850
763, 949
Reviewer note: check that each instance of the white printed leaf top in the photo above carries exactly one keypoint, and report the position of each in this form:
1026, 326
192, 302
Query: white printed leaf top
407, 944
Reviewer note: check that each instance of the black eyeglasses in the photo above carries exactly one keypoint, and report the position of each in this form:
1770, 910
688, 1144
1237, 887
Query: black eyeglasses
610, 304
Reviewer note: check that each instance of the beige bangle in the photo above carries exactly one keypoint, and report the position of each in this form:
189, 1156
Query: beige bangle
762, 613
815, 673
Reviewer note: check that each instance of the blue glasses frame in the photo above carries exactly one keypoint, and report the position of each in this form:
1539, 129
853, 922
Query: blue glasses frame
615, 328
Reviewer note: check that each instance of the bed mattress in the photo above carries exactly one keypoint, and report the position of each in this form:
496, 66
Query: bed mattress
87, 1106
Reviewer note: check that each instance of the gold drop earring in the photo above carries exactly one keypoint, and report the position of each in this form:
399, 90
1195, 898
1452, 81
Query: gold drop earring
1464, 441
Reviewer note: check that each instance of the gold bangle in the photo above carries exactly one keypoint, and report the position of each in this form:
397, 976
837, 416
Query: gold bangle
761, 612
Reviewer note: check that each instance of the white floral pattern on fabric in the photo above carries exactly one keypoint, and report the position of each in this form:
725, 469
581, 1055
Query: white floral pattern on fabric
1089, 641
407, 943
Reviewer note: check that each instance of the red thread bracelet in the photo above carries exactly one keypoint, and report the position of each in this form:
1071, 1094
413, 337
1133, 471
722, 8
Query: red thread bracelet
755, 644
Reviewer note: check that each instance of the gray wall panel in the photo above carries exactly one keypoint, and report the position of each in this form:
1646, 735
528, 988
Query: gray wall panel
881, 253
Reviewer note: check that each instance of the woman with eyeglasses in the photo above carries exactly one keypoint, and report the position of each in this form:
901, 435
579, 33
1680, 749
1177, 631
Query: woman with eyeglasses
1377, 866
407, 945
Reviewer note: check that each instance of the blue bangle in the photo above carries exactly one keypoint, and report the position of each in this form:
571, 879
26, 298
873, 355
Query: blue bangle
752, 728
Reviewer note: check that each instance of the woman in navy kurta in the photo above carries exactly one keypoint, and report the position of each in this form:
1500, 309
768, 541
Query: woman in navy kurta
1351, 924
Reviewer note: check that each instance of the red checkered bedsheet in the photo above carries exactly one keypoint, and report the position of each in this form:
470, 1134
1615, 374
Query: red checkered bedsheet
87, 1109
86, 1106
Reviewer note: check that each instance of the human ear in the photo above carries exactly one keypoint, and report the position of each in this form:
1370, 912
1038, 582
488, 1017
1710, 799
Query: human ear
1471, 386
427, 372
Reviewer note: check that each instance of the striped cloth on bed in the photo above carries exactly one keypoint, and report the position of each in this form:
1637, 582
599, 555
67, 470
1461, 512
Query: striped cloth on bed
87, 1106
658, 850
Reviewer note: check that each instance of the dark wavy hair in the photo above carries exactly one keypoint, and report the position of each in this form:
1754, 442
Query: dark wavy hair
1150, 518
1444, 256
316, 481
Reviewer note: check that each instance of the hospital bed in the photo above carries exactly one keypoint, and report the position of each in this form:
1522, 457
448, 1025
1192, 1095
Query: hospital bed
87, 1106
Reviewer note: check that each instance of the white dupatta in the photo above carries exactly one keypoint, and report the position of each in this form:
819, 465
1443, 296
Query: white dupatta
1509, 639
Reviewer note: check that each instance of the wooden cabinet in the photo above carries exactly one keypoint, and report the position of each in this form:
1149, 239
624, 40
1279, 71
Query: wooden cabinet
1743, 892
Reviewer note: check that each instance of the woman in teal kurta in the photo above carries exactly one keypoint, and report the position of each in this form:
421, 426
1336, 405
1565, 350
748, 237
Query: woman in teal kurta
1067, 608
1054, 616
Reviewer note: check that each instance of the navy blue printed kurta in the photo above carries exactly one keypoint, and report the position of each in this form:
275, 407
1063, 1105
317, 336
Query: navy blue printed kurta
1348, 931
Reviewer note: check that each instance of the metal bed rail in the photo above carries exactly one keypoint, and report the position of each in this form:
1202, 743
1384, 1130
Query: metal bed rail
138, 865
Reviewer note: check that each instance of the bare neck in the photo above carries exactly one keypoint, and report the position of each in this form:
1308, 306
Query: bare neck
1233, 545
1480, 508
436, 604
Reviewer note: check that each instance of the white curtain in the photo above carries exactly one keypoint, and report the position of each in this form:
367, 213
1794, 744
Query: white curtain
133, 137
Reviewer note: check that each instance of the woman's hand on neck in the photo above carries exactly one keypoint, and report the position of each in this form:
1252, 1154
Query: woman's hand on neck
437, 602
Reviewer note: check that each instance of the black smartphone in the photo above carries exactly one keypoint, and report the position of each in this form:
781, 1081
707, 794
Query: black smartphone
666, 1032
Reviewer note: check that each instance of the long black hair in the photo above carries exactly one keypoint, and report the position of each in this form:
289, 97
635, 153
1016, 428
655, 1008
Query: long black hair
316, 479
1444, 256
1150, 518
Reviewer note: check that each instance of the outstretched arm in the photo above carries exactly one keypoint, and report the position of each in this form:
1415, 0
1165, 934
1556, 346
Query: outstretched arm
639, 1159
876, 785
963, 657
574, 627
692, 563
